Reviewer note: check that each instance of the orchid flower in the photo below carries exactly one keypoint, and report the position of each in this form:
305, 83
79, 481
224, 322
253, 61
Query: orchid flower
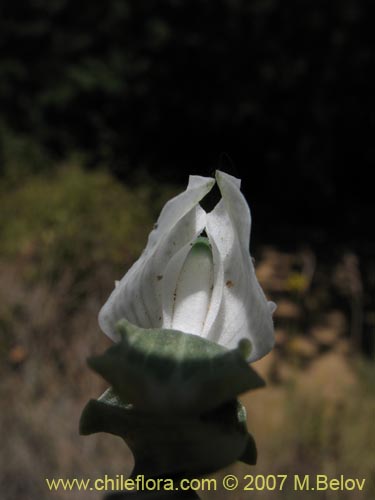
196, 274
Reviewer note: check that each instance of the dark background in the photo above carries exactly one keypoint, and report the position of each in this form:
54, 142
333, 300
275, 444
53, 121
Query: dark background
278, 93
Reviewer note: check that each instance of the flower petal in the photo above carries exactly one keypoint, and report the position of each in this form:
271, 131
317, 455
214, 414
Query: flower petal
244, 311
138, 296
193, 289
217, 292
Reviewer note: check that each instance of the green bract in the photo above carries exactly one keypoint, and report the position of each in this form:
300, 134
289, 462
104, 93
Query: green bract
170, 445
168, 371
173, 400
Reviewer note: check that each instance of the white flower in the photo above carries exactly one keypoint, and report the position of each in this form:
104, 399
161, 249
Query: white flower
204, 285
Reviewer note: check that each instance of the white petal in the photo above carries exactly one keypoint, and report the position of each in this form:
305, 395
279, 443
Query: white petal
170, 278
272, 306
244, 310
138, 296
193, 289
217, 292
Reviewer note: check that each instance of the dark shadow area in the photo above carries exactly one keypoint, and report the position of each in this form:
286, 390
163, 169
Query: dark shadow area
284, 89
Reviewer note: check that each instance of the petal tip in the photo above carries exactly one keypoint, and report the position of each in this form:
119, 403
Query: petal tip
223, 176
272, 306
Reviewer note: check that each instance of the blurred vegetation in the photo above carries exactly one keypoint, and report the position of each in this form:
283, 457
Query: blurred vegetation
65, 235
303, 428
76, 220
284, 87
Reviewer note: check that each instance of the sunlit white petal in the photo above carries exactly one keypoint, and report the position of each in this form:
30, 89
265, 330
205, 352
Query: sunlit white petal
138, 296
208, 289
193, 290
244, 310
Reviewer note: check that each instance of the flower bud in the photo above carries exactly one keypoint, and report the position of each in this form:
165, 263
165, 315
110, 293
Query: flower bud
196, 274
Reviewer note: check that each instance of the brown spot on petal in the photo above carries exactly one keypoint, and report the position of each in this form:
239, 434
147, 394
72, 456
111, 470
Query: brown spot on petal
229, 284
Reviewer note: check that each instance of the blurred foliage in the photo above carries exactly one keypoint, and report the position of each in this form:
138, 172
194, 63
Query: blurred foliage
21, 156
285, 85
74, 220
65, 235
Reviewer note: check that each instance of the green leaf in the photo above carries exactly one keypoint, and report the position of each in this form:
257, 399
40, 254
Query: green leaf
171, 372
172, 445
